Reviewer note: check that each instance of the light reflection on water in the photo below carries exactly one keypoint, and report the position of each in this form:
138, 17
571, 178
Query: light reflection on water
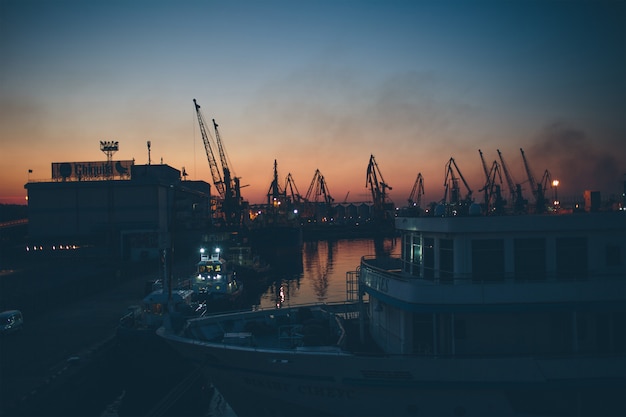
318, 272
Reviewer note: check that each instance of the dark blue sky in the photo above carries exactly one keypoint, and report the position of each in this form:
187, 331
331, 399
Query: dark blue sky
318, 85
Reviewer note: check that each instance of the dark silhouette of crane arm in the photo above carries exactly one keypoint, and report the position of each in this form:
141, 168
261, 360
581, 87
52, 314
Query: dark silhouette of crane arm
215, 172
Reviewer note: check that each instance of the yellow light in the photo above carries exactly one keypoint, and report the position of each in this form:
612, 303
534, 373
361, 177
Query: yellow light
555, 183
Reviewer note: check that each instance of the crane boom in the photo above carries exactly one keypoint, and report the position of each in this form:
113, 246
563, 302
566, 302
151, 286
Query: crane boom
484, 165
537, 188
509, 179
318, 188
415, 198
451, 178
515, 190
220, 148
531, 177
206, 136
494, 203
290, 184
378, 187
313, 207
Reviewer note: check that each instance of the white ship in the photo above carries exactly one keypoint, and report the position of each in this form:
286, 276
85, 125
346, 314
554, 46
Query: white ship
481, 315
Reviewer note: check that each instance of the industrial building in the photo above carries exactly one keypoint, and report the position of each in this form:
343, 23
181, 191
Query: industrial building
115, 209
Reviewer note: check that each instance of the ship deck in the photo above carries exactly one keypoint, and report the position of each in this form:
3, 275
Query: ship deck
320, 328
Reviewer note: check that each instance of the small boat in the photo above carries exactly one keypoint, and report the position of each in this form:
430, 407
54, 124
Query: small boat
141, 321
215, 281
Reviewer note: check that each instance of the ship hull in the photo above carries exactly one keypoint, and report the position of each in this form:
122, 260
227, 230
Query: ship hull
319, 382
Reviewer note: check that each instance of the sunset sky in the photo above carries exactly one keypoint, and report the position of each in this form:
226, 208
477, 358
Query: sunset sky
318, 85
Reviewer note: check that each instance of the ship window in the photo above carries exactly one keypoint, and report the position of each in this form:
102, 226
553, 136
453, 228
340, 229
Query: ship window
530, 259
571, 258
487, 260
415, 255
428, 251
613, 255
446, 260
406, 248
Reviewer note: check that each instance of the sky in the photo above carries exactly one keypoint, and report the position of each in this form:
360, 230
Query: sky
319, 85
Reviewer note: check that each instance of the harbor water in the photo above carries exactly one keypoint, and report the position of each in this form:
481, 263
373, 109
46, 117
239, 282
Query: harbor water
113, 378
318, 272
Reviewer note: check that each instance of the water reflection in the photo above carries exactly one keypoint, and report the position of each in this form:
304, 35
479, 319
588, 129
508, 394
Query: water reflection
318, 263
317, 273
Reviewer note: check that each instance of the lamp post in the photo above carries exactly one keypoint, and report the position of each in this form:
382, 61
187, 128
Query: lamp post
555, 185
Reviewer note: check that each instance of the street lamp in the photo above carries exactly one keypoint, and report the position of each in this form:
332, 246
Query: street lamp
555, 185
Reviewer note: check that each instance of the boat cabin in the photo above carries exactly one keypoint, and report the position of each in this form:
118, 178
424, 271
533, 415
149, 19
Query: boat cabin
538, 285
214, 275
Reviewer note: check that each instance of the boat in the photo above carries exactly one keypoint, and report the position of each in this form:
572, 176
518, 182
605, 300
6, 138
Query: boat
140, 322
215, 281
479, 315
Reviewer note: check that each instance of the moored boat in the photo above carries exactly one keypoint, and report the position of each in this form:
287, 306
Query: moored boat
480, 315
215, 281
141, 321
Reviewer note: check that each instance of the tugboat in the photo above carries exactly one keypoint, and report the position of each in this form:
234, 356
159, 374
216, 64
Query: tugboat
215, 282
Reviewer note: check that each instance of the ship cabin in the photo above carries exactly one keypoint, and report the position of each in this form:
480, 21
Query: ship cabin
213, 274
501, 285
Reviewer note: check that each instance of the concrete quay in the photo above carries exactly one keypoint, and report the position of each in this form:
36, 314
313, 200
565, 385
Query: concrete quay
66, 358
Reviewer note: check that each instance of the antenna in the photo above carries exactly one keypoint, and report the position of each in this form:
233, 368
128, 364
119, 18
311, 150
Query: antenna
149, 144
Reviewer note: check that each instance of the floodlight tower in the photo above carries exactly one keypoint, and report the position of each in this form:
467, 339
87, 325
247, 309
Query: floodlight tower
109, 147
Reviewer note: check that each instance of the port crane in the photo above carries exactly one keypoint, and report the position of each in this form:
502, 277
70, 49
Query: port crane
228, 187
482, 159
317, 189
452, 193
538, 188
515, 189
233, 205
290, 185
378, 187
228, 180
207, 139
494, 203
415, 198
276, 196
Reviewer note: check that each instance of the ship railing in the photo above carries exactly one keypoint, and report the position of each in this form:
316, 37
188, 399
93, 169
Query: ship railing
402, 269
